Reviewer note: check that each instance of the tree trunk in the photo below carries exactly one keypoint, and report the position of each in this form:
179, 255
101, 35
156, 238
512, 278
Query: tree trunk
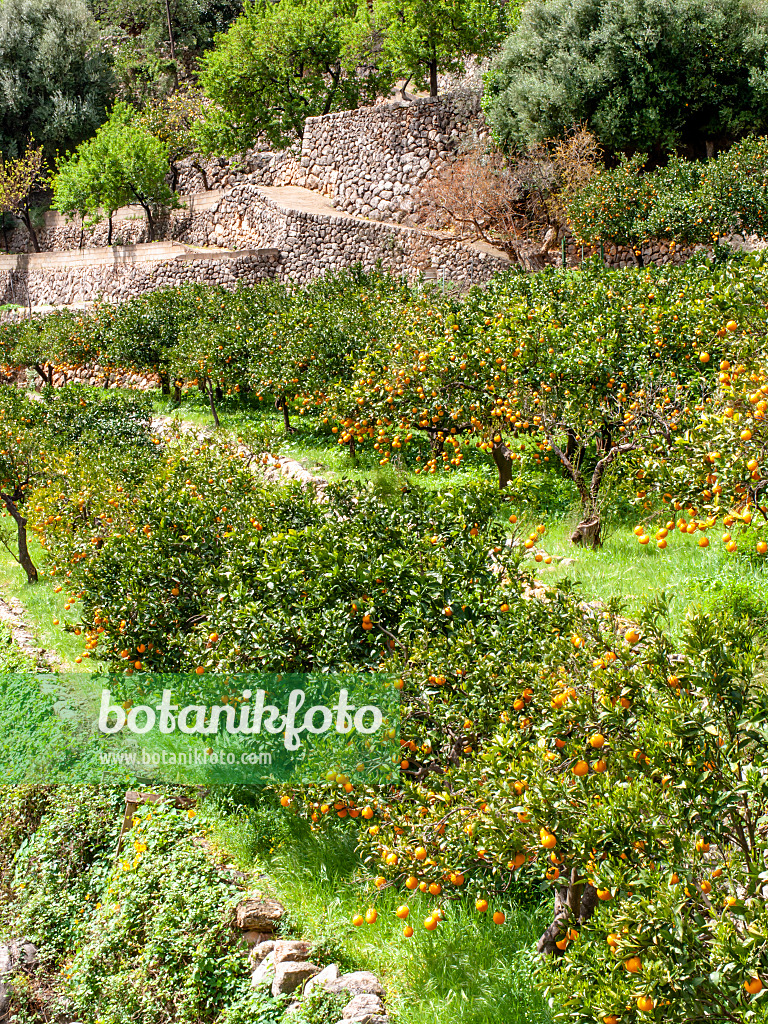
46, 375
503, 458
150, 224
165, 384
24, 558
574, 450
213, 406
574, 905
433, 77
177, 394
587, 533
109, 233
282, 404
5, 235
30, 229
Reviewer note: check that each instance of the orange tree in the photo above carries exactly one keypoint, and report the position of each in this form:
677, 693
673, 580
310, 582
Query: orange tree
143, 333
716, 471
219, 340
626, 771
687, 201
579, 368
42, 439
60, 340
314, 345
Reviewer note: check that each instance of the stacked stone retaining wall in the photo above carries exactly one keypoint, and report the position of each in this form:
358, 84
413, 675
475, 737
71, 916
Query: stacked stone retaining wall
42, 279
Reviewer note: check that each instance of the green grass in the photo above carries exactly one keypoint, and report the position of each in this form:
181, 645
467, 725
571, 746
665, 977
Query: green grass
469, 971
42, 605
624, 568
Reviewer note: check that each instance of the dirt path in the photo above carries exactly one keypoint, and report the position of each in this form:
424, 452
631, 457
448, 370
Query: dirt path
12, 613
273, 468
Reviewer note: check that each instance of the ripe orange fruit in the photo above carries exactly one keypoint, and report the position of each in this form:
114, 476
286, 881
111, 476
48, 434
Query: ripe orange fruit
421, 853
199, 670
731, 325
411, 883
604, 894
753, 986
499, 917
597, 741
367, 813
600, 766
611, 1019
407, 931
762, 547
634, 965
430, 923
370, 915
402, 912
435, 889
548, 840
285, 801
580, 769
357, 920
645, 1004
632, 636
481, 905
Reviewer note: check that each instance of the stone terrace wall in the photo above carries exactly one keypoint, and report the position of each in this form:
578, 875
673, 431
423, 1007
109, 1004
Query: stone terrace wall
367, 161
312, 244
50, 280
191, 224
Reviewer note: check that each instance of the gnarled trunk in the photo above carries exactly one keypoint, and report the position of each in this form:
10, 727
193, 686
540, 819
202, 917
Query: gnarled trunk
574, 905
587, 533
502, 456
24, 559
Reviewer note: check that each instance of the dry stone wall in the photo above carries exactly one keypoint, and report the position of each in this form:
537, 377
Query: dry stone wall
312, 244
366, 161
370, 161
41, 280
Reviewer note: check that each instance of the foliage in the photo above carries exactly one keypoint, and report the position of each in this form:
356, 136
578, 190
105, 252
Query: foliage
684, 75
155, 920
35, 436
19, 178
685, 201
563, 372
281, 63
425, 38
136, 33
55, 81
170, 120
123, 164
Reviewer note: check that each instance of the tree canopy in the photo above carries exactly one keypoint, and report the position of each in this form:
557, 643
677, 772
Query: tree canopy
423, 38
124, 164
679, 75
54, 80
281, 63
